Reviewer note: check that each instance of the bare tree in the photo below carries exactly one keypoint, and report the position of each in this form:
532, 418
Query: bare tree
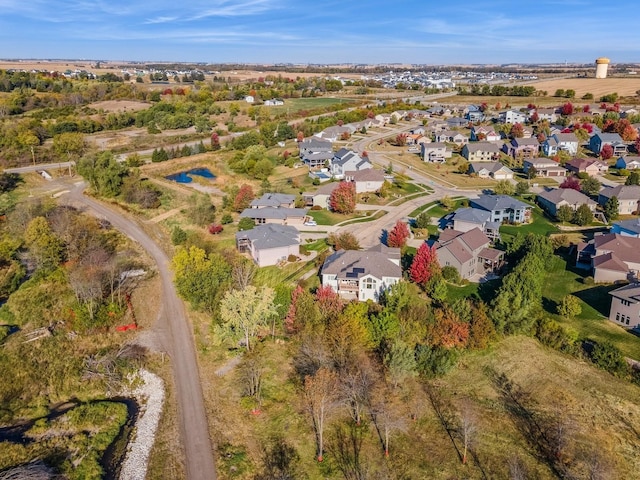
517, 469
356, 382
251, 372
320, 399
468, 429
242, 273
387, 416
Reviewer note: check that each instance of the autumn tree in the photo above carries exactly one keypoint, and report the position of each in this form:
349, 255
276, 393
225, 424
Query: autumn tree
343, 241
343, 198
504, 187
447, 330
243, 312
517, 130
45, 248
401, 139
215, 141
606, 152
243, 198
398, 235
590, 186
425, 264
567, 109
571, 182
329, 302
320, 394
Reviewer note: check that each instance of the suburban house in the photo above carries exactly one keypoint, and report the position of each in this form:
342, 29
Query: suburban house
494, 170
315, 152
512, 116
417, 139
369, 180
629, 228
522, 147
451, 136
275, 208
474, 114
628, 198
548, 114
320, 198
468, 252
345, 160
467, 218
612, 257
628, 163
480, 152
269, 244
552, 200
625, 306
565, 142
590, 166
362, 275
479, 133
503, 208
274, 102
336, 132
544, 167
274, 200
435, 152
457, 122
599, 140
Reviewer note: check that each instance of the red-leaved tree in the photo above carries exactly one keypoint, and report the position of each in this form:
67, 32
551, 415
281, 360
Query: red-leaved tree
517, 130
425, 264
243, 198
215, 141
401, 139
329, 301
567, 109
290, 323
572, 183
398, 235
343, 198
606, 152
215, 228
586, 108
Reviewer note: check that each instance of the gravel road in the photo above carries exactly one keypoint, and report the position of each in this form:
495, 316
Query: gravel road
176, 335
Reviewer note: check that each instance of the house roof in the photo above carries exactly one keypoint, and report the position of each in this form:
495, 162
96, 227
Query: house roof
367, 175
622, 192
625, 248
354, 264
273, 213
462, 244
491, 167
629, 292
630, 159
526, 142
606, 137
474, 147
434, 145
472, 215
316, 144
566, 137
270, 236
632, 225
324, 189
610, 261
582, 163
273, 200
542, 163
344, 155
498, 202
569, 195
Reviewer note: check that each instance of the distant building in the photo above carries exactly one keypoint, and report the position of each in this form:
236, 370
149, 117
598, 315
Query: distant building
602, 65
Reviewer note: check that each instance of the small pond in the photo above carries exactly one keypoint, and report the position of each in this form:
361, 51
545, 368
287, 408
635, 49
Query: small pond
186, 176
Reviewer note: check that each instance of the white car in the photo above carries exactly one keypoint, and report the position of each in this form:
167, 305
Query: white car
310, 223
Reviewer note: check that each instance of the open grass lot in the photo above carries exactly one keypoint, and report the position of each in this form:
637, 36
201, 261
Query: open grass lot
540, 225
293, 105
602, 411
597, 86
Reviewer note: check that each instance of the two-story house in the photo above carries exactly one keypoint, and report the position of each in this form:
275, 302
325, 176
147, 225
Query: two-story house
503, 208
315, 152
480, 133
628, 197
567, 142
625, 306
269, 244
512, 116
590, 166
631, 162
612, 257
468, 252
481, 152
345, 160
362, 275
599, 140
522, 147
436, 152
551, 200
544, 167
468, 218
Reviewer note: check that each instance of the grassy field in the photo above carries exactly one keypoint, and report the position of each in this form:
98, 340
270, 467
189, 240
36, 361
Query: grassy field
540, 225
293, 105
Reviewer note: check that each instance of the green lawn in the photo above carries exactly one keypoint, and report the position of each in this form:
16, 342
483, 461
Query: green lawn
540, 225
377, 215
325, 217
437, 210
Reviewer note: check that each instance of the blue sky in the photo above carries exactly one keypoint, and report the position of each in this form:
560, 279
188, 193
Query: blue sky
298, 31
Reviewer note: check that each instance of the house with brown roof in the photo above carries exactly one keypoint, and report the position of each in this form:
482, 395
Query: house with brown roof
369, 180
590, 166
544, 167
611, 257
628, 198
551, 200
522, 147
481, 152
468, 252
625, 306
362, 275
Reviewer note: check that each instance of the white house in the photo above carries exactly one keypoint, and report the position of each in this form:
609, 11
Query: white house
269, 244
345, 160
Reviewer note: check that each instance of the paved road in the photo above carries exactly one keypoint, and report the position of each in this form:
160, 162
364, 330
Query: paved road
176, 335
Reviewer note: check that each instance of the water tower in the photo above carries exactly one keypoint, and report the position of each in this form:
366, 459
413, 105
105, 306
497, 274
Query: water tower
602, 65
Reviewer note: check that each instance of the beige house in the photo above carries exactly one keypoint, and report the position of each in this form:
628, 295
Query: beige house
625, 306
362, 275
481, 152
369, 180
494, 170
269, 244
468, 252
320, 198
436, 152
544, 167
628, 198
612, 257
590, 166
552, 200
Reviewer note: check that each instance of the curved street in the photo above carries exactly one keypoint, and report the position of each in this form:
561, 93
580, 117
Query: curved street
175, 332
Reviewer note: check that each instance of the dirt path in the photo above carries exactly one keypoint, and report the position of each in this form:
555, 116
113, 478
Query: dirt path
176, 334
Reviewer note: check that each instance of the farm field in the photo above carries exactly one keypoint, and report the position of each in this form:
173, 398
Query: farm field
596, 86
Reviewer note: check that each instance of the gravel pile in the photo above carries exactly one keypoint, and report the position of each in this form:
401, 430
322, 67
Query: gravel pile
150, 396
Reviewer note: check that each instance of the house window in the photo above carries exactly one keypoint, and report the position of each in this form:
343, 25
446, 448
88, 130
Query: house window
626, 303
617, 316
627, 322
369, 283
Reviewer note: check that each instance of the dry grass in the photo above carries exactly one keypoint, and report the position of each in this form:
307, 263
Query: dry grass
596, 86
112, 106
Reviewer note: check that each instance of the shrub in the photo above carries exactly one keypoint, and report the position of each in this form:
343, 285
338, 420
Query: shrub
215, 228
569, 306
226, 219
451, 274
178, 236
246, 223
316, 207
608, 357
292, 259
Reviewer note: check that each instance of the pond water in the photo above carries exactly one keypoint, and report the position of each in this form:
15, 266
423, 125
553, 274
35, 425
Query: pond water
186, 176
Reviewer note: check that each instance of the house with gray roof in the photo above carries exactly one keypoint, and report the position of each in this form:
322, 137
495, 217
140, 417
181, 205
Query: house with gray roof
628, 198
274, 200
480, 151
629, 228
315, 151
494, 170
503, 208
468, 252
512, 116
544, 167
468, 218
368, 180
435, 152
551, 200
522, 147
599, 140
345, 160
320, 198
612, 257
277, 215
631, 162
362, 275
269, 244
625, 306
567, 142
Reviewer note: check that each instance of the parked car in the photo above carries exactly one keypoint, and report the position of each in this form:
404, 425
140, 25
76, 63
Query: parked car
310, 223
